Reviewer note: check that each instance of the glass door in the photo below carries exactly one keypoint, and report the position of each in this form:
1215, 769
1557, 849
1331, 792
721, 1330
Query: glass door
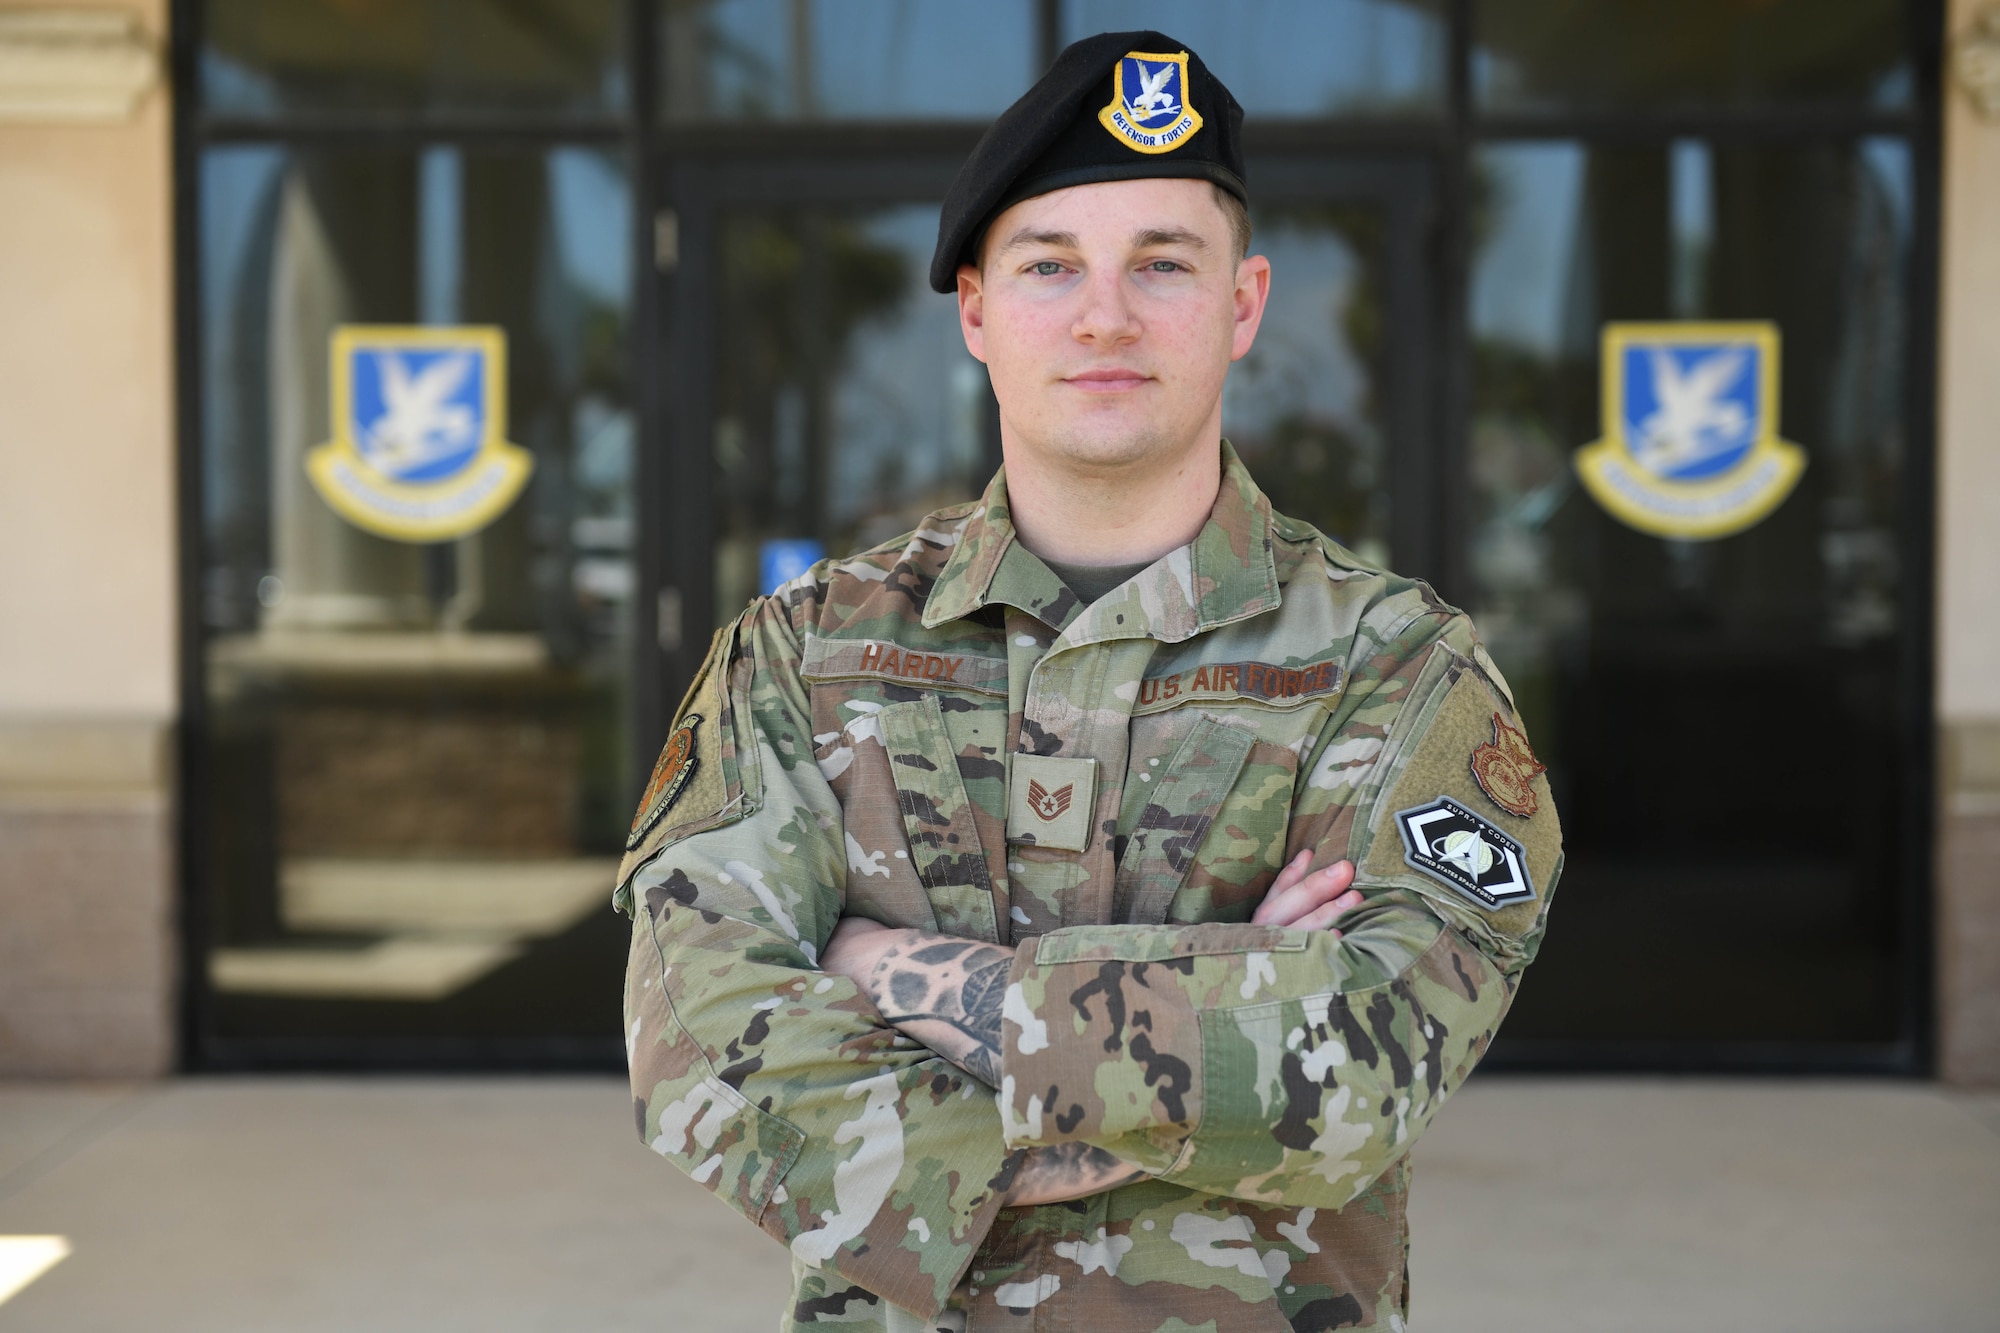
414, 753
1723, 719
823, 400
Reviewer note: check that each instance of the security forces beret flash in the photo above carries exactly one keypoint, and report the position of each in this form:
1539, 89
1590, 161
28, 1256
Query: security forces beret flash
1117, 106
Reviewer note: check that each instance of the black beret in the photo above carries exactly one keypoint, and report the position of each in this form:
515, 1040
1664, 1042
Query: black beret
1117, 106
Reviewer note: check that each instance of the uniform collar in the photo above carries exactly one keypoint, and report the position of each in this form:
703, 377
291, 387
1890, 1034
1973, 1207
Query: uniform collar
1226, 573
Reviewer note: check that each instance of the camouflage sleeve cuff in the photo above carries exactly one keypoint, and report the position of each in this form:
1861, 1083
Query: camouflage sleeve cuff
1275, 1065
860, 1151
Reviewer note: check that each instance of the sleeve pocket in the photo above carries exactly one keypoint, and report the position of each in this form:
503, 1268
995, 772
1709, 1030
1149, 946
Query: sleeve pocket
1431, 762
712, 1132
688, 1113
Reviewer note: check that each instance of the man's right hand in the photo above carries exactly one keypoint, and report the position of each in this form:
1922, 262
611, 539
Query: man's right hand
1067, 1171
1309, 901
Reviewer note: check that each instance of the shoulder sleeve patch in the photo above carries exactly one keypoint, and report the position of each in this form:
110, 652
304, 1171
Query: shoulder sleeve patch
679, 761
696, 782
1464, 816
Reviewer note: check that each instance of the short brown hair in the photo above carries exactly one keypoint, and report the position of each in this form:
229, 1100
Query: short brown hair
1238, 214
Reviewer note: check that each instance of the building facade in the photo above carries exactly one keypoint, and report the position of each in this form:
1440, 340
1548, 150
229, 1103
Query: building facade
394, 397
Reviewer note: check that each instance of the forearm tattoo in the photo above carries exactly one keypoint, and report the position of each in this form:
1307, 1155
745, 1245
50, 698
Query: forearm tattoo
948, 994
958, 984
1068, 1171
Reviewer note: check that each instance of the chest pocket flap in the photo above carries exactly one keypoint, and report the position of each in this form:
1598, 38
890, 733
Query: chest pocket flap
1176, 819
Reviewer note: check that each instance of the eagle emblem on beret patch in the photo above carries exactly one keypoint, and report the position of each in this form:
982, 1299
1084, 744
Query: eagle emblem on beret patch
671, 771
1149, 107
1505, 769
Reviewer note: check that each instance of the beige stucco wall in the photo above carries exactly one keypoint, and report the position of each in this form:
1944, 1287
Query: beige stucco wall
1969, 409
87, 591
1968, 863
86, 413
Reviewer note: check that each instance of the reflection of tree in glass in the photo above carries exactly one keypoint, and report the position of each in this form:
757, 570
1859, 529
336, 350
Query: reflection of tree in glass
1323, 468
711, 70
1316, 471
260, 55
796, 288
1669, 52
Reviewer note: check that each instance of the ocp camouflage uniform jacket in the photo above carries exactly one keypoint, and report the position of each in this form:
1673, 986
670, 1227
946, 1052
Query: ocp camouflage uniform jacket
848, 749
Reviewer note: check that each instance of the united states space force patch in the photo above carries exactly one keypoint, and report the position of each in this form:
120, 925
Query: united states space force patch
1453, 845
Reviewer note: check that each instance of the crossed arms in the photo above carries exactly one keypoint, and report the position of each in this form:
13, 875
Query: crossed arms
773, 1059
948, 993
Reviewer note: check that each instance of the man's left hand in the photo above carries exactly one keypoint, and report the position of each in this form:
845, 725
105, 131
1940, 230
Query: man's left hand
1309, 900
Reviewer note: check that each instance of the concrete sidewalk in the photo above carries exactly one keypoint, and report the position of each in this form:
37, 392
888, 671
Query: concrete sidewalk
519, 1204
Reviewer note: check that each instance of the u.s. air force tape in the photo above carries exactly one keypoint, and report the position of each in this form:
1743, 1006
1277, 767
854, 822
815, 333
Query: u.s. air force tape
1453, 845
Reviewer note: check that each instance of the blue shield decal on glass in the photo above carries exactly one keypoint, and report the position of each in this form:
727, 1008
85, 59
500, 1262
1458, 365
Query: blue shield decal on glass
419, 450
1692, 410
1690, 448
418, 411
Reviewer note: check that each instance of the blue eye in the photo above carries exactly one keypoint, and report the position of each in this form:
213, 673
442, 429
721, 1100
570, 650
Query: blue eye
1164, 266
1047, 268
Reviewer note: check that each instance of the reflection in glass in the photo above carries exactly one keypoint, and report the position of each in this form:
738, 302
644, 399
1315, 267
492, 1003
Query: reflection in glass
1642, 665
264, 57
1557, 55
847, 406
844, 59
417, 753
1303, 407
1297, 58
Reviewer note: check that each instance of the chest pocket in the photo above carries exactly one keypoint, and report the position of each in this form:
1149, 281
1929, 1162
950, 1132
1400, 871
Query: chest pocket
939, 822
1175, 820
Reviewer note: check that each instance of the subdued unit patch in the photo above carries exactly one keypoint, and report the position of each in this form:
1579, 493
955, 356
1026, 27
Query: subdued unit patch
678, 761
702, 796
1441, 768
1506, 768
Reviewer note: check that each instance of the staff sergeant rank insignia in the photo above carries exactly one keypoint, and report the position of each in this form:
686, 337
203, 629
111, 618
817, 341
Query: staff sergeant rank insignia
1149, 107
1454, 846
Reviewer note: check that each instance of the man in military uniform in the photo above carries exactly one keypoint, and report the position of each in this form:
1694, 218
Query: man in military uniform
982, 896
